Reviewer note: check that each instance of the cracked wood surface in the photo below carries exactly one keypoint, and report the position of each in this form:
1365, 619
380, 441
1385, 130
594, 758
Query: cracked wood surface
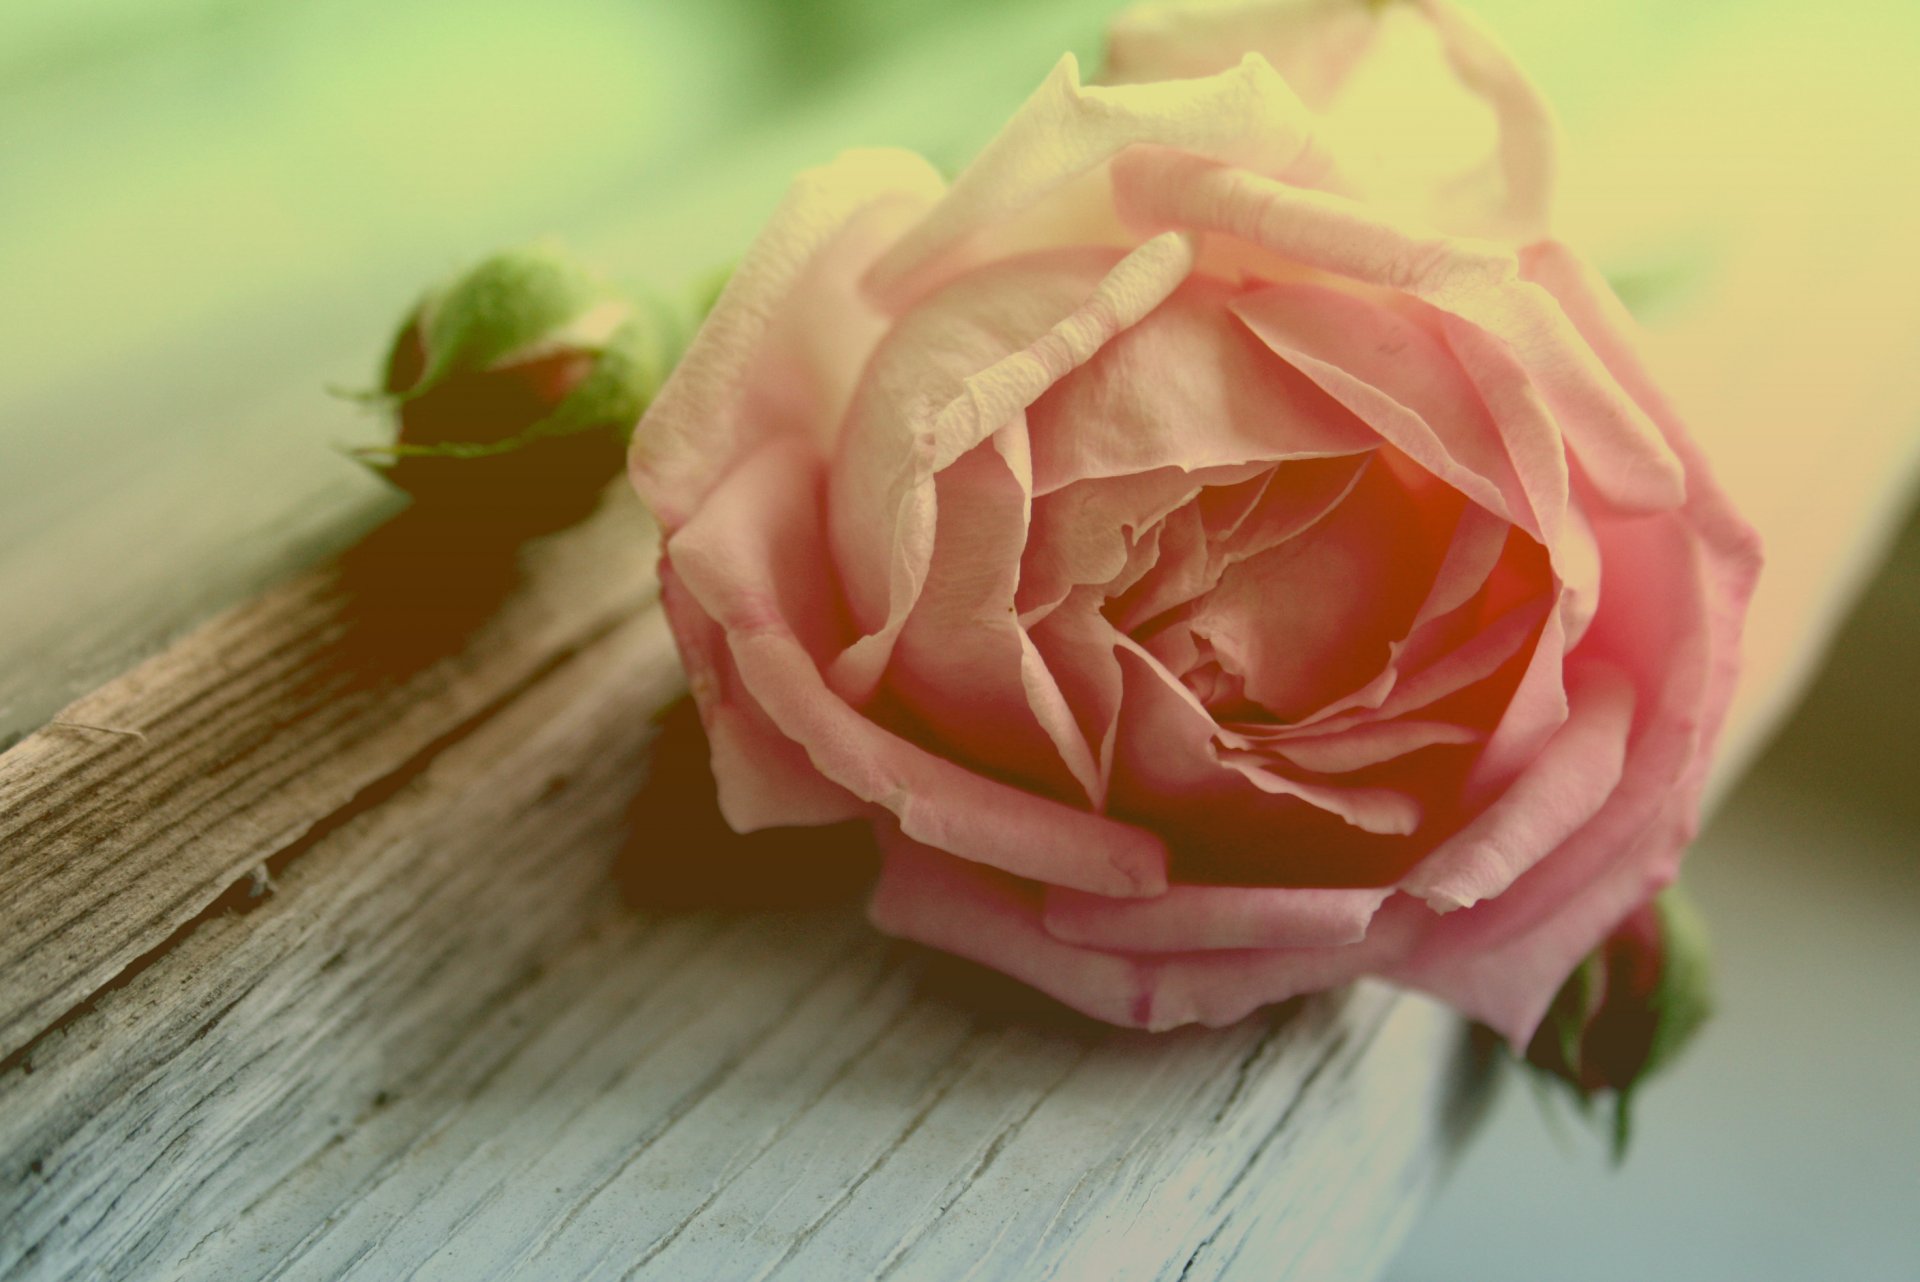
146, 800
431, 1040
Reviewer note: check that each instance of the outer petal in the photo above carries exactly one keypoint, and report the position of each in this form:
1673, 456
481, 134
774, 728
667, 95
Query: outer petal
996, 920
1525, 166
1067, 132
1732, 548
764, 778
1398, 379
1672, 627
787, 337
1504, 959
1314, 44
1564, 787
750, 575
1200, 918
1395, 83
1624, 454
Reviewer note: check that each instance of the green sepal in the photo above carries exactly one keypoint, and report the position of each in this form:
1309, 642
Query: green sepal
1604, 1035
1683, 1002
628, 370
1573, 1006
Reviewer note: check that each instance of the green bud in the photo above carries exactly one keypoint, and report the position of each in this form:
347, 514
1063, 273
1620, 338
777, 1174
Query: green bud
514, 388
505, 309
1629, 1008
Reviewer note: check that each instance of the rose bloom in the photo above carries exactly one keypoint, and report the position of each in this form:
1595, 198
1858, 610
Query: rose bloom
1222, 541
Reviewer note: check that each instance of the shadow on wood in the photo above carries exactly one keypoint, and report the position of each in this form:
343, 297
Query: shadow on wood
683, 856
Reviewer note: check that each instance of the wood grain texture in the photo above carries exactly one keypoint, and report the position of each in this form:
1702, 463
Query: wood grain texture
153, 796
440, 1045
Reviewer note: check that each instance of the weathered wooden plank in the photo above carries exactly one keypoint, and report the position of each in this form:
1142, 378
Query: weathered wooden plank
153, 795
138, 1127
368, 1076
441, 1047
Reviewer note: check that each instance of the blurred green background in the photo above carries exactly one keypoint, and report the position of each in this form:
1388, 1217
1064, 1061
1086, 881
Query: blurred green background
210, 210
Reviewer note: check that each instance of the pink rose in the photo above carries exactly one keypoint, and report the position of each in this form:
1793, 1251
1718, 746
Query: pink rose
1222, 542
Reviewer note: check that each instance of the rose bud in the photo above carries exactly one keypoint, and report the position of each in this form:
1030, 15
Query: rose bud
1227, 547
1629, 1008
515, 387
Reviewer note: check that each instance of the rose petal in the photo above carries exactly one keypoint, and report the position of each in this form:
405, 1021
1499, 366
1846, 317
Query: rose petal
1201, 918
1625, 456
1194, 553
1066, 131
1391, 82
1558, 792
1536, 711
764, 778
1181, 572
1412, 682
1675, 626
1187, 387
1087, 532
732, 569
963, 665
993, 919
1311, 619
1483, 654
1479, 539
1732, 547
1534, 441
1384, 811
1398, 379
1313, 44
1526, 165
958, 370
709, 414
1370, 744
1076, 643
1672, 627
1172, 752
